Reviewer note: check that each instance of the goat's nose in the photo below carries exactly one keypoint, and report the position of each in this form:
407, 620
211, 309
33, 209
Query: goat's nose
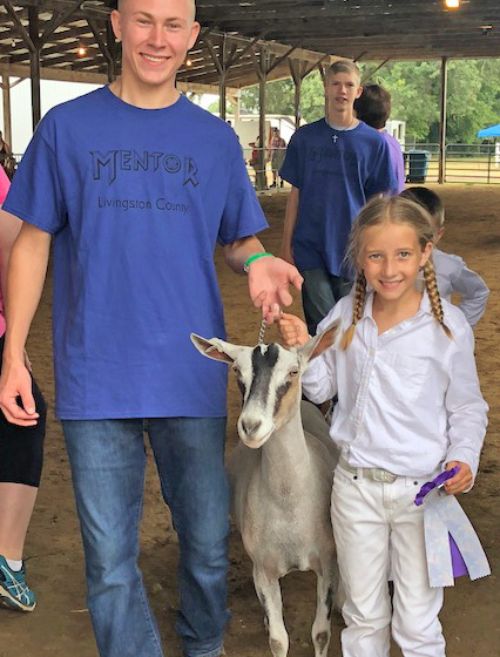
250, 427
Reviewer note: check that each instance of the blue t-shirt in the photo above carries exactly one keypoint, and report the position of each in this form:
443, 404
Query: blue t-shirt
136, 201
336, 172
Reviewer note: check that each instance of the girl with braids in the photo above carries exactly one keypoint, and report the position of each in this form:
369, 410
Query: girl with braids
409, 406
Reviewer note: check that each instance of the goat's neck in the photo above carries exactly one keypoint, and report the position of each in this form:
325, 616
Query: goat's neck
285, 455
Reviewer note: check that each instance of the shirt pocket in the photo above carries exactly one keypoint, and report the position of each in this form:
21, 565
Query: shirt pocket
406, 376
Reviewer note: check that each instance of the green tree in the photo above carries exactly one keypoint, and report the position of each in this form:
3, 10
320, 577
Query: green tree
473, 97
312, 98
414, 87
280, 98
214, 107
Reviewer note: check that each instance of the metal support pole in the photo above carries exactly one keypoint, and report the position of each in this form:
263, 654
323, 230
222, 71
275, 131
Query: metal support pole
112, 50
222, 96
261, 177
298, 71
296, 101
489, 161
36, 104
237, 106
442, 121
7, 115
297, 78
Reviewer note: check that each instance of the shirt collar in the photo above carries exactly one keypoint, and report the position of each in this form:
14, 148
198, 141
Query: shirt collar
424, 309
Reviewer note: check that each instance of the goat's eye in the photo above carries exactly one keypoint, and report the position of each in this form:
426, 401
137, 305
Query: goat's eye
293, 372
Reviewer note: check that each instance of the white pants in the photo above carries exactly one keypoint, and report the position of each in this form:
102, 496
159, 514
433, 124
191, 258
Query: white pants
378, 529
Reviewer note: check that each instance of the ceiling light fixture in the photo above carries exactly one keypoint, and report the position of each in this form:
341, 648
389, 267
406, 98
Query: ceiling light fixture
82, 51
452, 4
189, 62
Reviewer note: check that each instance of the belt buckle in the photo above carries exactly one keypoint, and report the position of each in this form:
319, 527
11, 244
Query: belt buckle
383, 476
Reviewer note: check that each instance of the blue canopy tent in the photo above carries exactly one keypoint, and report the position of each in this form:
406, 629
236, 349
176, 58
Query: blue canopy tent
490, 133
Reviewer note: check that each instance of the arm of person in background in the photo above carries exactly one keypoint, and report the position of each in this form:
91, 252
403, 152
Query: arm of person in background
398, 163
9, 230
382, 179
467, 413
473, 291
269, 278
291, 213
25, 278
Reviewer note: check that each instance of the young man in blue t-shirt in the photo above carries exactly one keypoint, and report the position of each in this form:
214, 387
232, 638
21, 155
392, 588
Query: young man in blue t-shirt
334, 166
136, 208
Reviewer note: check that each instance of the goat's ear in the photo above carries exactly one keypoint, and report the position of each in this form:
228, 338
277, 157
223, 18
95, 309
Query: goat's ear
214, 348
320, 343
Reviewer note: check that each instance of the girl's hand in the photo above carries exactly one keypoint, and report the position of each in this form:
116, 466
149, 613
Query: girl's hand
462, 481
293, 331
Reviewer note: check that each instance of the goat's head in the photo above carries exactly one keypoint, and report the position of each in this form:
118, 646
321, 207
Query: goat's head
269, 380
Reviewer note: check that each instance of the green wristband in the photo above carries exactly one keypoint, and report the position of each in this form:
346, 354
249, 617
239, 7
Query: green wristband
254, 257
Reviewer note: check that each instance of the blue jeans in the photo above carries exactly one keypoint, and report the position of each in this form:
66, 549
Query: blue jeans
108, 461
320, 292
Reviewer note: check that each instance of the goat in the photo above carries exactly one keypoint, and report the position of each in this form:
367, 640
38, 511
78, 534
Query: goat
281, 479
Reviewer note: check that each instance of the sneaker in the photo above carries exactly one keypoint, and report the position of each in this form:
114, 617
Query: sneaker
14, 592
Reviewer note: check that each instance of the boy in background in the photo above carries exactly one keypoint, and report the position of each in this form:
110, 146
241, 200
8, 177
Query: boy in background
453, 275
334, 166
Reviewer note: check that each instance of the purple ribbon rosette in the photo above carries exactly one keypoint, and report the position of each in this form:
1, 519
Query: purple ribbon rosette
457, 561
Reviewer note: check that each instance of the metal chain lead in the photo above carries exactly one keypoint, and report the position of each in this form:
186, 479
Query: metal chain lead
263, 325
262, 331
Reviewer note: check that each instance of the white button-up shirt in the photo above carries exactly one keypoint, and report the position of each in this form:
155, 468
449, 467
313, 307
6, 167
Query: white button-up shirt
454, 276
408, 399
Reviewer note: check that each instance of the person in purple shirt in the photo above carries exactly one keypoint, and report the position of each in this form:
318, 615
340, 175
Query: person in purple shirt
374, 108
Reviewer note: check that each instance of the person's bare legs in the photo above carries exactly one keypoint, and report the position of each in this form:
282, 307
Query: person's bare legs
16, 506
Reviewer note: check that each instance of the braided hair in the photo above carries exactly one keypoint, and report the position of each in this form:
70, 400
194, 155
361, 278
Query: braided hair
434, 296
397, 210
357, 309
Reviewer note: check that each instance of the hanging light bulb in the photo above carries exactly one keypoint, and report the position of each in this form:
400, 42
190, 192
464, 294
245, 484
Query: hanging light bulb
452, 4
189, 62
82, 51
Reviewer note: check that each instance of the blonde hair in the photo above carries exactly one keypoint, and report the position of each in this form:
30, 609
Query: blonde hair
396, 210
343, 66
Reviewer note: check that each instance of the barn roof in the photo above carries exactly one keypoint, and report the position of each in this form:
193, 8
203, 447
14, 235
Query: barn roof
239, 36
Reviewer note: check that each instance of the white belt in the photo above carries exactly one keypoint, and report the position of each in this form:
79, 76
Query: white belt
375, 474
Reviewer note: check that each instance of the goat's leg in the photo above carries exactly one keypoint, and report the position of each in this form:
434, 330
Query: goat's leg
321, 629
269, 594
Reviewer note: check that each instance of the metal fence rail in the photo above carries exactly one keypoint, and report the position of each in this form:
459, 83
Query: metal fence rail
464, 163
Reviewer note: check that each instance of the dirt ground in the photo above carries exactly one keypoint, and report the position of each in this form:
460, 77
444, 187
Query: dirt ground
60, 625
